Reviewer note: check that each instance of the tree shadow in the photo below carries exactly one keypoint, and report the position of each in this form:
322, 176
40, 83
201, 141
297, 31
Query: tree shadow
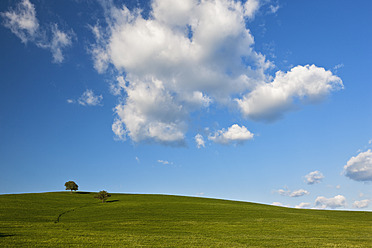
112, 201
82, 193
3, 235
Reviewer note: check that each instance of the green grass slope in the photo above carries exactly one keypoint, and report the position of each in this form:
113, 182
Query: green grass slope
62, 219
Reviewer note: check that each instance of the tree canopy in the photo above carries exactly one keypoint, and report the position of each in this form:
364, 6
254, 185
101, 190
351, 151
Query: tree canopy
102, 195
71, 185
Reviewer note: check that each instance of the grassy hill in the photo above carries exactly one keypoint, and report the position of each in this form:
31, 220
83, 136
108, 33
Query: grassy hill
62, 219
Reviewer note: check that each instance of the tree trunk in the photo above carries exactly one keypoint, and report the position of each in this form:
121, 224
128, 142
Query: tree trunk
103, 200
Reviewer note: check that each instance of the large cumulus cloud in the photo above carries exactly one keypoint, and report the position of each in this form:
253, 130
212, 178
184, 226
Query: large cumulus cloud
189, 54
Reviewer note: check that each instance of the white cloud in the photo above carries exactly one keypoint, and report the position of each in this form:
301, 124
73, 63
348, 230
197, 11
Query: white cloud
314, 177
164, 162
88, 98
305, 84
22, 21
338, 66
150, 112
235, 133
295, 193
199, 141
24, 24
303, 205
251, 7
359, 168
118, 129
298, 193
60, 40
138, 160
188, 55
285, 192
279, 204
274, 9
335, 202
361, 204
70, 101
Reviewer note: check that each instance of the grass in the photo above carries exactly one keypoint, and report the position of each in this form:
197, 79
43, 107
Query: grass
61, 219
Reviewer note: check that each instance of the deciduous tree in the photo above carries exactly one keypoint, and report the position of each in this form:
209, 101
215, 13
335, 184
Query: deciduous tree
71, 185
102, 195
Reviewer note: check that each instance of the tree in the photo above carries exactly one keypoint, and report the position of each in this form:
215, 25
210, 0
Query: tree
102, 195
71, 185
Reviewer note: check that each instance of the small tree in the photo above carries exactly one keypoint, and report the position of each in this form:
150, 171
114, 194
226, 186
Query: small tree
102, 195
71, 185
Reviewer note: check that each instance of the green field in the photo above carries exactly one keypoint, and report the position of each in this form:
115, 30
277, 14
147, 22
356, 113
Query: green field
62, 219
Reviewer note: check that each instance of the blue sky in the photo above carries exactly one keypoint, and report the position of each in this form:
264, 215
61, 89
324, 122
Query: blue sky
260, 101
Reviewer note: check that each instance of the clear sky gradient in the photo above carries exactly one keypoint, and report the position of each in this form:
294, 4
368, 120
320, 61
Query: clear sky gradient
261, 101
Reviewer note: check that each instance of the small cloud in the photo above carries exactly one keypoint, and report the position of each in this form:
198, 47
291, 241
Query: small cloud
338, 186
298, 193
235, 133
273, 9
200, 194
88, 98
138, 160
164, 162
22, 21
279, 204
334, 202
60, 40
70, 101
314, 177
359, 168
295, 193
361, 204
336, 67
303, 205
199, 141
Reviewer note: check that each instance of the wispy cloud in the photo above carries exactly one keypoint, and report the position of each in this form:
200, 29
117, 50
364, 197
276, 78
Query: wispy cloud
165, 162
23, 23
273, 8
295, 193
88, 98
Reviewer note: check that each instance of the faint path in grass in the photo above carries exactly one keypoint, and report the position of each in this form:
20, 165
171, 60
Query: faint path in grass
2, 235
73, 209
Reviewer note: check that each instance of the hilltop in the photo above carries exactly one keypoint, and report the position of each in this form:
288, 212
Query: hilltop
62, 219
